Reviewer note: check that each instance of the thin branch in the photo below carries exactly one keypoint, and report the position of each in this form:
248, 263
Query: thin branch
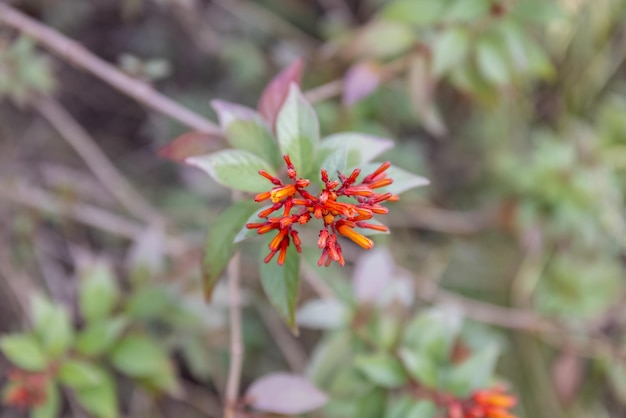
80, 57
235, 366
25, 194
96, 160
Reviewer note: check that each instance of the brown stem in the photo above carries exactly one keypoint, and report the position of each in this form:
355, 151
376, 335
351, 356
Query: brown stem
80, 57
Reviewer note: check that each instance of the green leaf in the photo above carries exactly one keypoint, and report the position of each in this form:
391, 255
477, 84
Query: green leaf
236, 169
99, 336
360, 148
100, 400
382, 369
450, 50
402, 179
219, 245
246, 130
473, 373
281, 285
245, 233
335, 162
515, 40
329, 357
467, 10
322, 314
53, 326
432, 334
52, 405
139, 356
422, 409
420, 367
382, 39
415, 12
79, 374
492, 62
24, 351
537, 11
298, 130
98, 293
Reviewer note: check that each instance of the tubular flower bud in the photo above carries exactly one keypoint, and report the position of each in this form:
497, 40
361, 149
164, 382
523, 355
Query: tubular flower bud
331, 205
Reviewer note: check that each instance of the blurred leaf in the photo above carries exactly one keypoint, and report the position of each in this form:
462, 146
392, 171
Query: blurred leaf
372, 404
100, 400
322, 314
235, 169
492, 62
139, 356
361, 148
281, 285
372, 274
450, 50
52, 325
246, 130
402, 179
515, 40
51, 407
149, 303
98, 337
190, 144
328, 357
24, 351
79, 374
335, 162
467, 10
276, 92
194, 353
415, 12
382, 369
298, 130
474, 373
538, 11
422, 409
388, 330
421, 84
361, 80
285, 394
381, 39
245, 233
420, 367
146, 257
432, 333
567, 376
219, 245
98, 292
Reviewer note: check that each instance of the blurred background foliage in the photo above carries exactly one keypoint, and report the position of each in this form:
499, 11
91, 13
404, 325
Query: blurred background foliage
514, 109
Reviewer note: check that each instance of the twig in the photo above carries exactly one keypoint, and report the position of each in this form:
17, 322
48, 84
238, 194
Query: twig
80, 57
236, 344
96, 160
26, 194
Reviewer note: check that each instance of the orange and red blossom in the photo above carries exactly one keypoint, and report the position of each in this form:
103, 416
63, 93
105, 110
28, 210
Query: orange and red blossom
25, 389
299, 207
486, 403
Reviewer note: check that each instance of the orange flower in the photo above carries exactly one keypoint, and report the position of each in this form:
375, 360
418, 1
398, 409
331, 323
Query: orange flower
486, 403
338, 217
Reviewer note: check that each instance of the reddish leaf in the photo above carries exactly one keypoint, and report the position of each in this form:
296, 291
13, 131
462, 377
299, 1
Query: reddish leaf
276, 91
567, 373
373, 273
361, 80
286, 394
228, 112
190, 144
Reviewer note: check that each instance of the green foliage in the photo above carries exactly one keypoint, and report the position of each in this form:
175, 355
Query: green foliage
25, 73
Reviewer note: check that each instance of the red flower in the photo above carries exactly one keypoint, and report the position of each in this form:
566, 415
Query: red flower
338, 217
487, 403
25, 390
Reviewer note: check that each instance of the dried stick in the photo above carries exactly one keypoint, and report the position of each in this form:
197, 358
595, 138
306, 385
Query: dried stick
236, 345
80, 57
96, 160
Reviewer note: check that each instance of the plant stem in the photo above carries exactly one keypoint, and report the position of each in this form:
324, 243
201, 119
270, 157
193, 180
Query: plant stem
80, 57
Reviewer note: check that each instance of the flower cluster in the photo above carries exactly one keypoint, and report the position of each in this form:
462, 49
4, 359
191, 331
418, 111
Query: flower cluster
338, 216
487, 403
25, 390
